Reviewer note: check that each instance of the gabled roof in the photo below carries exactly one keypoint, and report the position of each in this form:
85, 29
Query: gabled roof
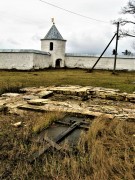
53, 34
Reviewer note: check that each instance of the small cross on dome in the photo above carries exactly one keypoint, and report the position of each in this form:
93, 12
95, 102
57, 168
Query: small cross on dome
53, 21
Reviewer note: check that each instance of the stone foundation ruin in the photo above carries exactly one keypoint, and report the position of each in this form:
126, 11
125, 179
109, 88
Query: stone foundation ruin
90, 101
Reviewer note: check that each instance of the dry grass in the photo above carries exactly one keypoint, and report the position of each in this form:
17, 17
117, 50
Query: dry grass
111, 144
46, 120
106, 152
15, 144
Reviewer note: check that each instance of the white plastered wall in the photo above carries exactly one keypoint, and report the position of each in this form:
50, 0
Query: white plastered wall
41, 61
19, 61
104, 63
58, 51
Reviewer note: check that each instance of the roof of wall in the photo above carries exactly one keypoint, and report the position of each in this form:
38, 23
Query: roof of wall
24, 51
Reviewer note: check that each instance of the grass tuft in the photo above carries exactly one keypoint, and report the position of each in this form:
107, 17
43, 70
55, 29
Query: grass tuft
46, 120
11, 88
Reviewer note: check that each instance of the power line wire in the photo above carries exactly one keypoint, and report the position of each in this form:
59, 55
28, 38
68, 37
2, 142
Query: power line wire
93, 19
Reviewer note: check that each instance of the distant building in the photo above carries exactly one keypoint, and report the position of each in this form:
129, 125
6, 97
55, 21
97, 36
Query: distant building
53, 55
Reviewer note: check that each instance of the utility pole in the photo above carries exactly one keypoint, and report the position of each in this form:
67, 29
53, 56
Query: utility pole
102, 54
116, 47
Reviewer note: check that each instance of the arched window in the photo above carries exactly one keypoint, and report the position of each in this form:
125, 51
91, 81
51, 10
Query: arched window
51, 46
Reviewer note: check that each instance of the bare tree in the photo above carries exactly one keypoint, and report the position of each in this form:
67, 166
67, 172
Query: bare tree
128, 9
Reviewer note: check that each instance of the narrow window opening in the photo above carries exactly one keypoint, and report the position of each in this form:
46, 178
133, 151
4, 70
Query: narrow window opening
51, 46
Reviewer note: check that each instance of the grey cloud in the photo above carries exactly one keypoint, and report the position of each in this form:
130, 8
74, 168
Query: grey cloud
36, 37
9, 43
86, 46
12, 41
88, 42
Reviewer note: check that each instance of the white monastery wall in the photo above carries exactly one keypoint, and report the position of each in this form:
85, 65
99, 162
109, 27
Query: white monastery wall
41, 61
14, 60
123, 63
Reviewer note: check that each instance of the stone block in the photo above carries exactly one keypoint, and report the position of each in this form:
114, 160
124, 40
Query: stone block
130, 97
38, 102
10, 95
111, 96
45, 94
18, 124
29, 97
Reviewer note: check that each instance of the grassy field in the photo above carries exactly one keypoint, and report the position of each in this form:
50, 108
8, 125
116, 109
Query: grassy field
125, 81
105, 152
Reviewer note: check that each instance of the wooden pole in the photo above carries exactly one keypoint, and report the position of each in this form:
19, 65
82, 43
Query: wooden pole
102, 53
116, 47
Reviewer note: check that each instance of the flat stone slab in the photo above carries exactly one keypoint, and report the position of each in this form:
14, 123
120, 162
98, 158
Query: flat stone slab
41, 102
32, 90
87, 91
70, 90
100, 101
60, 109
45, 94
131, 97
93, 110
29, 97
10, 95
38, 102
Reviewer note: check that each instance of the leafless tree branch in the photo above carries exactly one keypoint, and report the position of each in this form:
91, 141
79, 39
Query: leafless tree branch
130, 8
123, 22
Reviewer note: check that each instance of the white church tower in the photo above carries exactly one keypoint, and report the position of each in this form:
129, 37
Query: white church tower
54, 43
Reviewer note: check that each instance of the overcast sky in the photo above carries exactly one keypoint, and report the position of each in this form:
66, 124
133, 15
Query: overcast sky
24, 22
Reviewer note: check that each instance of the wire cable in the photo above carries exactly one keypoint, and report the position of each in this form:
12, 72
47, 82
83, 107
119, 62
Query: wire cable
93, 19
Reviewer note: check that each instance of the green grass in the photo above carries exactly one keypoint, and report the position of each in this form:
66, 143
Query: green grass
125, 81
